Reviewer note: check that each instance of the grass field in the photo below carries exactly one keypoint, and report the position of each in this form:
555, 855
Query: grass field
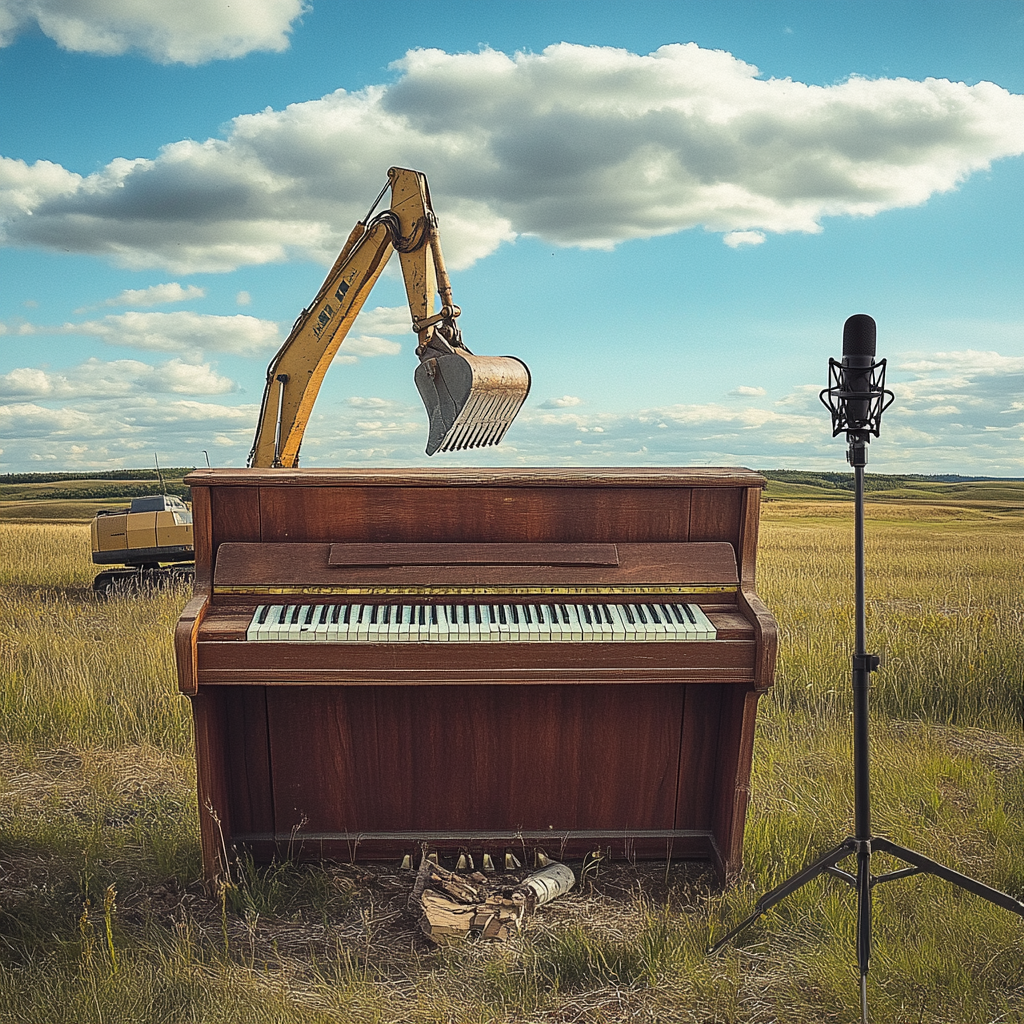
102, 917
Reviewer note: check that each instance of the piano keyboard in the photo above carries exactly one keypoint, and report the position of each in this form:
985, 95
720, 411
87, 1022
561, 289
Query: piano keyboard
479, 623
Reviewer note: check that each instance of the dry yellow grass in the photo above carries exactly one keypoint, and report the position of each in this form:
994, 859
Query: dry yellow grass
97, 790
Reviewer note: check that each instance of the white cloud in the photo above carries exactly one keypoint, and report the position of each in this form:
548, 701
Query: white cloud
154, 295
169, 31
366, 345
745, 391
561, 403
117, 379
735, 239
583, 146
243, 298
183, 332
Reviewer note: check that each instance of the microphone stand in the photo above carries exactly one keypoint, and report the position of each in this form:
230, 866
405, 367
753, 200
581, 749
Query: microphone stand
858, 413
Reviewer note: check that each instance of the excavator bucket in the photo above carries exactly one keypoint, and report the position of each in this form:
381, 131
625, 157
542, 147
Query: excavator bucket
471, 400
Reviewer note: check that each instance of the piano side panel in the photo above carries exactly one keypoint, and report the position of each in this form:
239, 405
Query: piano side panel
699, 751
457, 758
247, 760
732, 782
512, 515
202, 533
715, 514
208, 718
235, 514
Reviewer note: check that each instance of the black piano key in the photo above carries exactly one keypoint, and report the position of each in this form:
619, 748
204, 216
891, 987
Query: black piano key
433, 614
296, 612
654, 613
309, 615
421, 619
335, 616
323, 614
607, 614
586, 614
553, 614
476, 614
526, 612
640, 614
689, 614
263, 614
675, 613
539, 608
628, 609
501, 615
565, 614
373, 615
515, 615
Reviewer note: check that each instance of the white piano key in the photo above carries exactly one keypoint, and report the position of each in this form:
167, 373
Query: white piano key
405, 615
307, 620
335, 628
618, 625
543, 612
374, 622
321, 620
252, 633
529, 627
688, 626
473, 621
704, 624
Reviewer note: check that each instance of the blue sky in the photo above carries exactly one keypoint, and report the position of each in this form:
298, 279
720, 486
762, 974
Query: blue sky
666, 209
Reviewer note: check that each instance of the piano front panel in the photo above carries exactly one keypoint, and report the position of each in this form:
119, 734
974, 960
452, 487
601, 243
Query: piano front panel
459, 759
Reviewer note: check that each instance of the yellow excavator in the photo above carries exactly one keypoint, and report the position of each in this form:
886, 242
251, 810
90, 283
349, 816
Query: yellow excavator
470, 400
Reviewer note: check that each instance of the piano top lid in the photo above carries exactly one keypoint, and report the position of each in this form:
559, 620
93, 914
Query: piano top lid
438, 476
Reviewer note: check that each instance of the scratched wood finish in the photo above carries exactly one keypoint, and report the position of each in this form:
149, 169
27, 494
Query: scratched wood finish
590, 737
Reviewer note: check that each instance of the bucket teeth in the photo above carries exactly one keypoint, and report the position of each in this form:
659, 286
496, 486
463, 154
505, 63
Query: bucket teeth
470, 400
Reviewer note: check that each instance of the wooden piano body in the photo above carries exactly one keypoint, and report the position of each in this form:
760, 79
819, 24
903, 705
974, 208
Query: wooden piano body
344, 750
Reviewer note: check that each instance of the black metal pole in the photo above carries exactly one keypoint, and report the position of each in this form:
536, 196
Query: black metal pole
862, 667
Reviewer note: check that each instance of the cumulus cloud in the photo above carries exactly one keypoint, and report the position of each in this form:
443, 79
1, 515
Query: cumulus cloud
561, 403
961, 412
579, 145
116, 379
168, 31
183, 332
154, 295
745, 391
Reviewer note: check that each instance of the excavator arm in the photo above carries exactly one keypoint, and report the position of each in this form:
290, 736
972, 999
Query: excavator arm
470, 400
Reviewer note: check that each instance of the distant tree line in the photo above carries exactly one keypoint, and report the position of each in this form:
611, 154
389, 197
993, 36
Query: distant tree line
172, 472
872, 481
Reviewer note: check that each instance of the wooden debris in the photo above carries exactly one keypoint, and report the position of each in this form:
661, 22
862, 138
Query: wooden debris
450, 907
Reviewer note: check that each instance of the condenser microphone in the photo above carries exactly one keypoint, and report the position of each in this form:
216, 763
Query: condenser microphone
858, 358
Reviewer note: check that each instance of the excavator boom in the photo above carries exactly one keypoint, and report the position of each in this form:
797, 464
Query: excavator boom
470, 400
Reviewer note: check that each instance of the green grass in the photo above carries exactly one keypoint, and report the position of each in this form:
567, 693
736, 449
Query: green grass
103, 916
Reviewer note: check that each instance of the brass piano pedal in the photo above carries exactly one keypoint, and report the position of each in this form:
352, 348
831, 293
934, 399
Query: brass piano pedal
541, 859
406, 863
511, 861
488, 864
465, 862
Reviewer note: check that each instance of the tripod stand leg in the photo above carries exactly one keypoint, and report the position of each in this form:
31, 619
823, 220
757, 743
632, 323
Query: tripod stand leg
863, 922
780, 892
925, 864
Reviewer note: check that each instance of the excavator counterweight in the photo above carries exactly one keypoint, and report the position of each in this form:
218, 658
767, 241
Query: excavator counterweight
470, 400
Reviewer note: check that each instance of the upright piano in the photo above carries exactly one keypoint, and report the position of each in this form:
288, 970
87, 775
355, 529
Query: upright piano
477, 659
